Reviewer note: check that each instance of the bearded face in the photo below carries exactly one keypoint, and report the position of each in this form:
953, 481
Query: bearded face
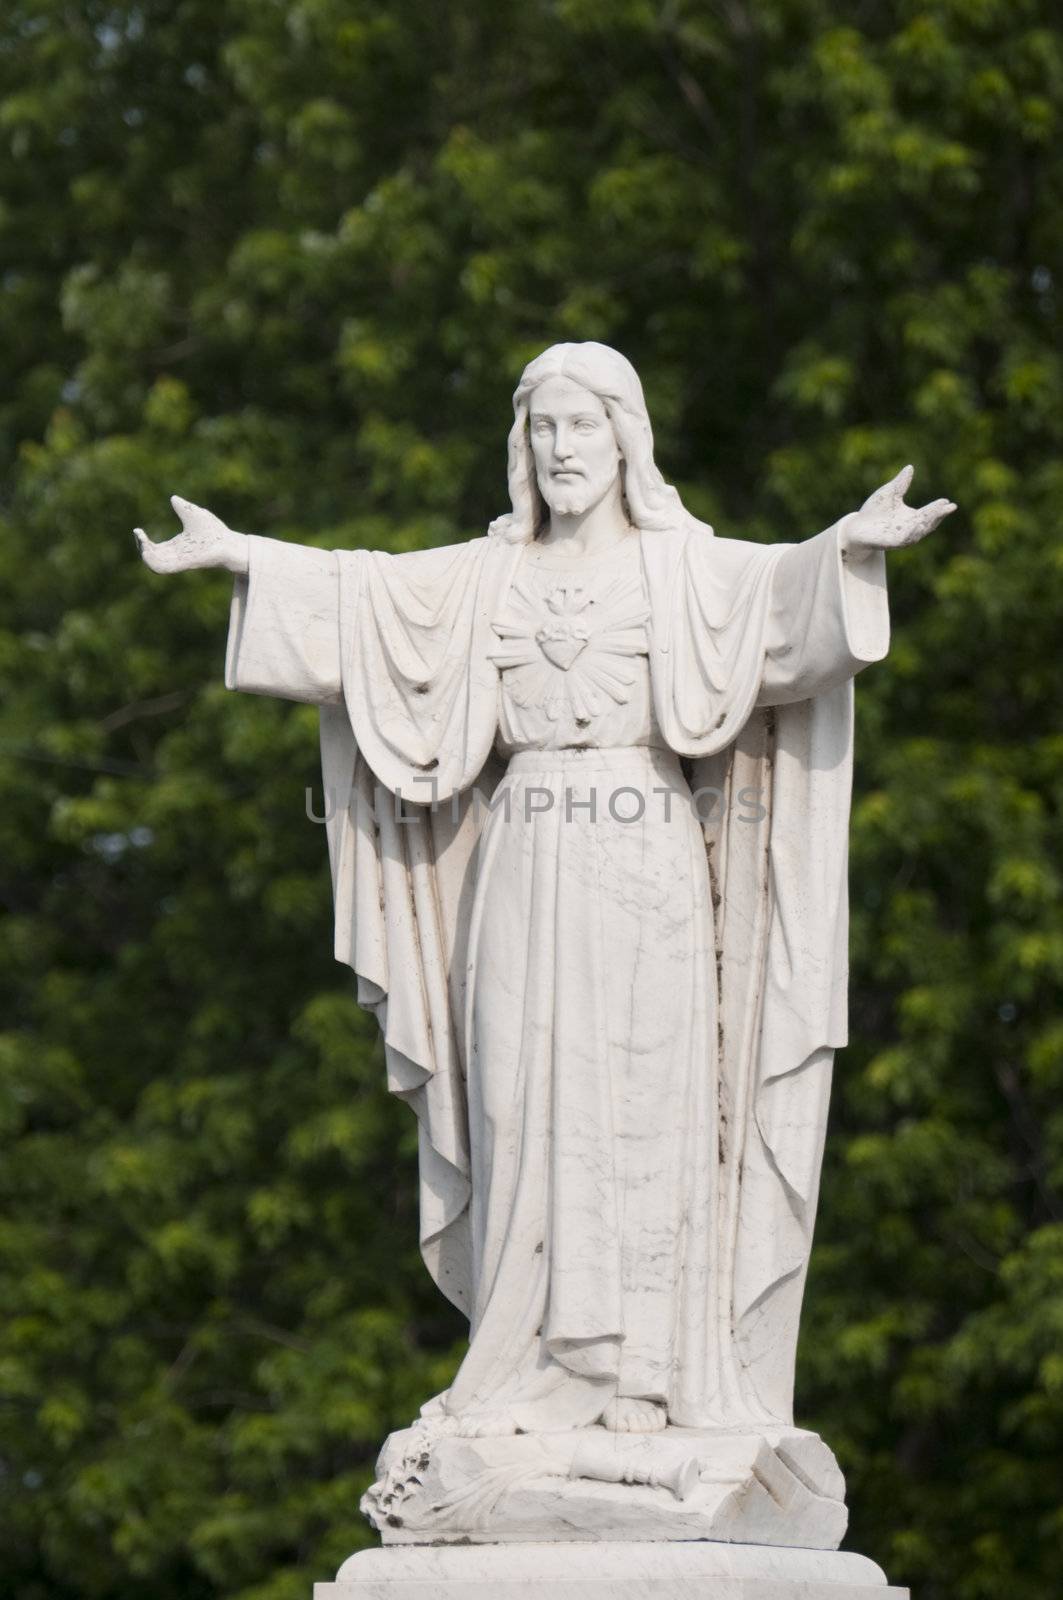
577, 458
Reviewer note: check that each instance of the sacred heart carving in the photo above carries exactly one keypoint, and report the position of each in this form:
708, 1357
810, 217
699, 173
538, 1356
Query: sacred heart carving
564, 651
561, 642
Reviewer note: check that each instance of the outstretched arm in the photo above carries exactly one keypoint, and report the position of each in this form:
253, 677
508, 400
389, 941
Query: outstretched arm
204, 541
284, 632
829, 615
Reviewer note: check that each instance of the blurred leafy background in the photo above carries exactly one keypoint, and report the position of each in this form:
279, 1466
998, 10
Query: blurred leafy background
287, 257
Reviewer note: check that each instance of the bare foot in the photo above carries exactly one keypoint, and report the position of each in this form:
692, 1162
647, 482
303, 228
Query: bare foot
483, 1424
626, 1415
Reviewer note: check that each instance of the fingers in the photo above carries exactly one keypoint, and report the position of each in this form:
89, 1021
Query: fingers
925, 519
932, 514
892, 490
184, 508
150, 553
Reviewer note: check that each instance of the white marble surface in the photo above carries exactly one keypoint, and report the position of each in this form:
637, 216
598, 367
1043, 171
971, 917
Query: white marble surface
781, 1489
615, 1030
648, 1571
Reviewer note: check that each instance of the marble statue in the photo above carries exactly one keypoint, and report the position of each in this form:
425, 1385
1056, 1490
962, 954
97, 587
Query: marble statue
589, 782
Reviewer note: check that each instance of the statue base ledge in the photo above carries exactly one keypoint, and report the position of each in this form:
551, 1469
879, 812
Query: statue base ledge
607, 1571
764, 1486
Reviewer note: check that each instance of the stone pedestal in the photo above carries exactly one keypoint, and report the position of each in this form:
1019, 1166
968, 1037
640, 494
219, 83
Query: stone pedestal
763, 1486
622, 1571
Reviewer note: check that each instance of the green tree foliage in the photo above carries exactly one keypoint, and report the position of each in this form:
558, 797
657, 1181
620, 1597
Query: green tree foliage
287, 257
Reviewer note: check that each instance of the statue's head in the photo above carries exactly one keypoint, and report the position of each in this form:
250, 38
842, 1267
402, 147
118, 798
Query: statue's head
590, 396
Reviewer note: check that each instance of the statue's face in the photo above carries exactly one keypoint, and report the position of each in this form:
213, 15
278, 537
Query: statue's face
577, 458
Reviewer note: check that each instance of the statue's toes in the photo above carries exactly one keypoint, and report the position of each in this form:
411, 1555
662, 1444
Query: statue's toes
484, 1424
625, 1414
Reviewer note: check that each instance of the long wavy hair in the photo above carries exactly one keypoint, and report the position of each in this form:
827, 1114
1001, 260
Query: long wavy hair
650, 502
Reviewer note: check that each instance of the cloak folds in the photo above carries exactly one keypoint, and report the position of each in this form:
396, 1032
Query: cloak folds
752, 650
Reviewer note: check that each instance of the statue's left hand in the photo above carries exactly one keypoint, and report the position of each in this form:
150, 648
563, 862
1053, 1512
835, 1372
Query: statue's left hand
884, 522
204, 541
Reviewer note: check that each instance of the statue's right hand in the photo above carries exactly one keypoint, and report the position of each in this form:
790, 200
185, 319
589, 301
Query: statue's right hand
204, 541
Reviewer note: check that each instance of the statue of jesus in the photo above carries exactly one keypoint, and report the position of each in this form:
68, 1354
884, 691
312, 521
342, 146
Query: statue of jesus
604, 933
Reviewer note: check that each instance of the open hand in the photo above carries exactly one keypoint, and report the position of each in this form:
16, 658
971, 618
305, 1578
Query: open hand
204, 541
884, 522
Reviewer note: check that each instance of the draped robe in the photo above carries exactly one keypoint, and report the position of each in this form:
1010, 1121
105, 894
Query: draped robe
752, 650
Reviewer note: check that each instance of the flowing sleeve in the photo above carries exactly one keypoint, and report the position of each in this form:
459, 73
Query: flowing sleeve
284, 625
765, 642
417, 719
415, 640
827, 620
395, 649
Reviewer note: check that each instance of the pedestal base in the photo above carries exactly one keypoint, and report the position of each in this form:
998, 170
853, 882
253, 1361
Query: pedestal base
642, 1571
755, 1486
